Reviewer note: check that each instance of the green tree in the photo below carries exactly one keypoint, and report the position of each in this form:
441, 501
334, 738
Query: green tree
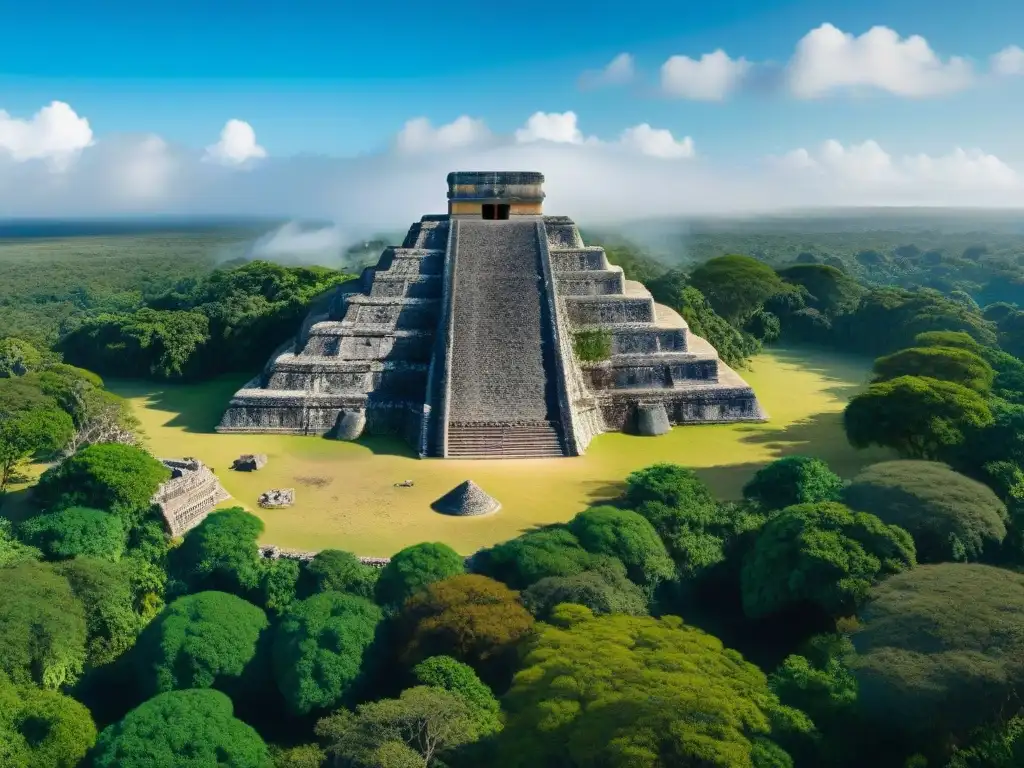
699, 537
279, 583
76, 531
606, 589
198, 725
950, 517
104, 590
221, 553
205, 640
628, 537
822, 554
827, 289
416, 728
117, 478
13, 551
471, 618
999, 746
146, 342
36, 433
524, 560
302, 756
959, 366
42, 729
819, 683
736, 286
938, 653
413, 568
42, 627
460, 679
319, 647
610, 690
18, 357
669, 484
887, 319
793, 480
921, 418
334, 570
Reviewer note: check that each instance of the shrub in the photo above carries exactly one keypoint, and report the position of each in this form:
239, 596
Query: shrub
592, 346
950, 517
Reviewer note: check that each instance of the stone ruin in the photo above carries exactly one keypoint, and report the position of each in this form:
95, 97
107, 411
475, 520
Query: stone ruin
189, 496
461, 340
250, 462
277, 498
466, 500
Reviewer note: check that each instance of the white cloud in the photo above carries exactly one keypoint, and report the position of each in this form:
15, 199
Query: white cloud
865, 174
618, 71
828, 59
55, 133
657, 142
237, 144
419, 135
557, 127
711, 78
1009, 61
629, 176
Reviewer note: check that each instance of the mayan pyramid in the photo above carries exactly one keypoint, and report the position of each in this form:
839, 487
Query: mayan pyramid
461, 340
465, 500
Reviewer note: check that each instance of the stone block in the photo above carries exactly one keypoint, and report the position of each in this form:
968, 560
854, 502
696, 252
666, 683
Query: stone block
652, 420
350, 425
250, 462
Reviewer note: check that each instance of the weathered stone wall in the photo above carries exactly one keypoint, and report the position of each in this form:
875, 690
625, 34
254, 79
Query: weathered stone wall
604, 310
432, 431
697, 406
360, 350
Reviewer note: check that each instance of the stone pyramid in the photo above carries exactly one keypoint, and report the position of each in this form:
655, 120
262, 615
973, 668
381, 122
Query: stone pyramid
465, 500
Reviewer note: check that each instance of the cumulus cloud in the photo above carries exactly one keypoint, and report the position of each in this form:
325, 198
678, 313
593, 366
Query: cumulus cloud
419, 135
711, 78
618, 71
828, 59
1009, 61
657, 142
642, 172
865, 174
556, 127
237, 144
55, 133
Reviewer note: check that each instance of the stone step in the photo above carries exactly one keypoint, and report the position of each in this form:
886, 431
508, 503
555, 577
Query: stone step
482, 441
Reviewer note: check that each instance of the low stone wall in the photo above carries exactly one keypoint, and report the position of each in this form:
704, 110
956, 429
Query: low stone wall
271, 552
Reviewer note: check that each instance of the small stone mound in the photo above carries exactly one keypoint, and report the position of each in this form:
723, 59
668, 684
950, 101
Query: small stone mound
250, 462
466, 500
652, 420
277, 498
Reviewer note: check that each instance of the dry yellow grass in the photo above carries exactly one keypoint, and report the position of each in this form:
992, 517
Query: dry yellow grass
346, 497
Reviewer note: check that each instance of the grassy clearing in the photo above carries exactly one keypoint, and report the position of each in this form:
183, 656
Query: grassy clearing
346, 496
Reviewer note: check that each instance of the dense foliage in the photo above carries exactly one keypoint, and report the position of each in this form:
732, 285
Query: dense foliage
950, 517
586, 680
199, 724
939, 653
319, 646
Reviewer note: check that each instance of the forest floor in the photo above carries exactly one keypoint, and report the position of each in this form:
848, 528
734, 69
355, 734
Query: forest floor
346, 496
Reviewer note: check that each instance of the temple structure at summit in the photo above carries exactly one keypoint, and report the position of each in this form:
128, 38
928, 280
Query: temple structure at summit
493, 331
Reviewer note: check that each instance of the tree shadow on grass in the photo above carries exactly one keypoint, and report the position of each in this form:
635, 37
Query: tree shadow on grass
16, 505
846, 374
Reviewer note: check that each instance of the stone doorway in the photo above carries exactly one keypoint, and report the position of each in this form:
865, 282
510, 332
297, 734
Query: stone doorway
491, 211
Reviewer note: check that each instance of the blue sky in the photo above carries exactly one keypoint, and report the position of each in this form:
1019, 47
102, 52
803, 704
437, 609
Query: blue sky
356, 111
342, 78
